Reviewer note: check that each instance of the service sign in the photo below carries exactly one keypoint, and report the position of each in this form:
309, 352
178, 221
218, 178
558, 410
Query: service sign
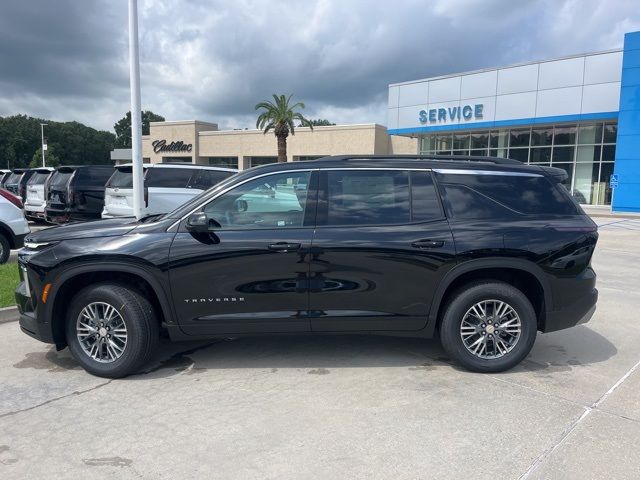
451, 114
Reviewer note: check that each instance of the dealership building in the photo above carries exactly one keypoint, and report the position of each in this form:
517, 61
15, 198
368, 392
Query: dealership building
193, 141
578, 113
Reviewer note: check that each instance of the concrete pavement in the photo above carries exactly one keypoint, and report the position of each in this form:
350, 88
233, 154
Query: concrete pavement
340, 407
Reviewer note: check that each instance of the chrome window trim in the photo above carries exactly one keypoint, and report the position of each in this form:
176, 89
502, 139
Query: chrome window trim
453, 171
174, 225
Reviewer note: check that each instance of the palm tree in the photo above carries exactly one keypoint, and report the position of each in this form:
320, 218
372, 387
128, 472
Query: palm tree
279, 116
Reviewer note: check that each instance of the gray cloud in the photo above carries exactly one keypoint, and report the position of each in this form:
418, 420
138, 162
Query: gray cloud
214, 60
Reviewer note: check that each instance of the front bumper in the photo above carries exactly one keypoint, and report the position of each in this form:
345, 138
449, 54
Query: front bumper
29, 322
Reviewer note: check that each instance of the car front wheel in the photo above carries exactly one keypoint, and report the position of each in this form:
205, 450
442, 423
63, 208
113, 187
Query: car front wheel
111, 330
488, 327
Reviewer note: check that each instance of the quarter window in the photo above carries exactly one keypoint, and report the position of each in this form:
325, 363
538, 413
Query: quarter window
270, 202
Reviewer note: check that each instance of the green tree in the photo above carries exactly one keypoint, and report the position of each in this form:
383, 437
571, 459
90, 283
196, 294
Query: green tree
279, 116
123, 127
50, 157
72, 142
321, 122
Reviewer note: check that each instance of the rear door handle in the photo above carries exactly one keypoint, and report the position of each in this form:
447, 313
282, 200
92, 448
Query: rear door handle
284, 246
427, 244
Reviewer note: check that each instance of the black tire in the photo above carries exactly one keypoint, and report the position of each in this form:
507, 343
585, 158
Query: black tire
458, 306
140, 321
5, 249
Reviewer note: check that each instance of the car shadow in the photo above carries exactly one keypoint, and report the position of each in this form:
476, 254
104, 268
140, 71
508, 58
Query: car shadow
558, 351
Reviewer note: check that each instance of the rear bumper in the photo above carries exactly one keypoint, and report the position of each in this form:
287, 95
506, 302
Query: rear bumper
577, 313
55, 215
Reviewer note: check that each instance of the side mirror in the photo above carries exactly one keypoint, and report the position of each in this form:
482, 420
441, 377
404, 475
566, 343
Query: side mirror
197, 222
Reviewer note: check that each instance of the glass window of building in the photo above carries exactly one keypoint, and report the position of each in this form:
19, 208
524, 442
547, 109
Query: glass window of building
590, 134
563, 154
443, 144
225, 162
540, 155
610, 133
542, 136
461, 141
564, 135
585, 151
519, 137
521, 154
479, 140
256, 161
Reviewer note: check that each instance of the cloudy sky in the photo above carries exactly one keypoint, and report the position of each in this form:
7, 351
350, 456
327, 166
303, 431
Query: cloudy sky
215, 59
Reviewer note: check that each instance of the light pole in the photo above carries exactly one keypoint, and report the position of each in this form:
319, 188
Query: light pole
136, 121
43, 146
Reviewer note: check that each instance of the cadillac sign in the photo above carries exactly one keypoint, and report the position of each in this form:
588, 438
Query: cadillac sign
160, 146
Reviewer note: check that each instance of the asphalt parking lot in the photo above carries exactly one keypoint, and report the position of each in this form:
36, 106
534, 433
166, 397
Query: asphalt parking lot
340, 407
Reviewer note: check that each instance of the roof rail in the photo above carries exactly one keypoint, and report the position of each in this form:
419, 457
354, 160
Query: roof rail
438, 158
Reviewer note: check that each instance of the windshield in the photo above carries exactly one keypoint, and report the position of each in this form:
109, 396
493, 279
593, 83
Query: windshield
195, 201
60, 179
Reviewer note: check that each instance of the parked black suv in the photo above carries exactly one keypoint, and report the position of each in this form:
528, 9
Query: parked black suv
76, 193
483, 251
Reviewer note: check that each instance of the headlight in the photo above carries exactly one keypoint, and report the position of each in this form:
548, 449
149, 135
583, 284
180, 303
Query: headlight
38, 245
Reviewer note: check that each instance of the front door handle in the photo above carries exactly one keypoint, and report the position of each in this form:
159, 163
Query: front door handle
427, 244
284, 246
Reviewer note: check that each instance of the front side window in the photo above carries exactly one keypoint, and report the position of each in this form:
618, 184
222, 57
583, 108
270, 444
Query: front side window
269, 202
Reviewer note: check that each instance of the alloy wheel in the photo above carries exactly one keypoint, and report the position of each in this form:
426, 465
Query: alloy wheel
490, 329
101, 332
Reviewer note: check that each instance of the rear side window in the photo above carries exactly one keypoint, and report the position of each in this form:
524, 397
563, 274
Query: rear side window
205, 179
169, 177
478, 196
367, 197
92, 177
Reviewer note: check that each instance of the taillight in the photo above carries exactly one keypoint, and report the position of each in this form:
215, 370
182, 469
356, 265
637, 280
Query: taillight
11, 197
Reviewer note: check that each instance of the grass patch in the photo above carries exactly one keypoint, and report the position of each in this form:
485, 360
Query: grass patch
9, 279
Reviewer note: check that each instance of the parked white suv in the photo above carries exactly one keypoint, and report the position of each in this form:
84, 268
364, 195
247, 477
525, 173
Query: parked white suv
36, 199
13, 225
166, 186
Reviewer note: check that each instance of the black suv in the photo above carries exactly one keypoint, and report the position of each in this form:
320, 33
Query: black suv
76, 193
483, 251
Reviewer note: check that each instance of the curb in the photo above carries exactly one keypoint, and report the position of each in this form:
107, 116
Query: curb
9, 314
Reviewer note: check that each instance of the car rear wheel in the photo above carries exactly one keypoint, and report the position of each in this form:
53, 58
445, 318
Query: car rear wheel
488, 327
111, 330
5, 249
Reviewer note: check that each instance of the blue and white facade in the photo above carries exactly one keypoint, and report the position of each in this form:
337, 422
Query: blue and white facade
579, 113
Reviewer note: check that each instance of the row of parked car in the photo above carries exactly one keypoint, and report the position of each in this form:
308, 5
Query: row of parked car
85, 192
